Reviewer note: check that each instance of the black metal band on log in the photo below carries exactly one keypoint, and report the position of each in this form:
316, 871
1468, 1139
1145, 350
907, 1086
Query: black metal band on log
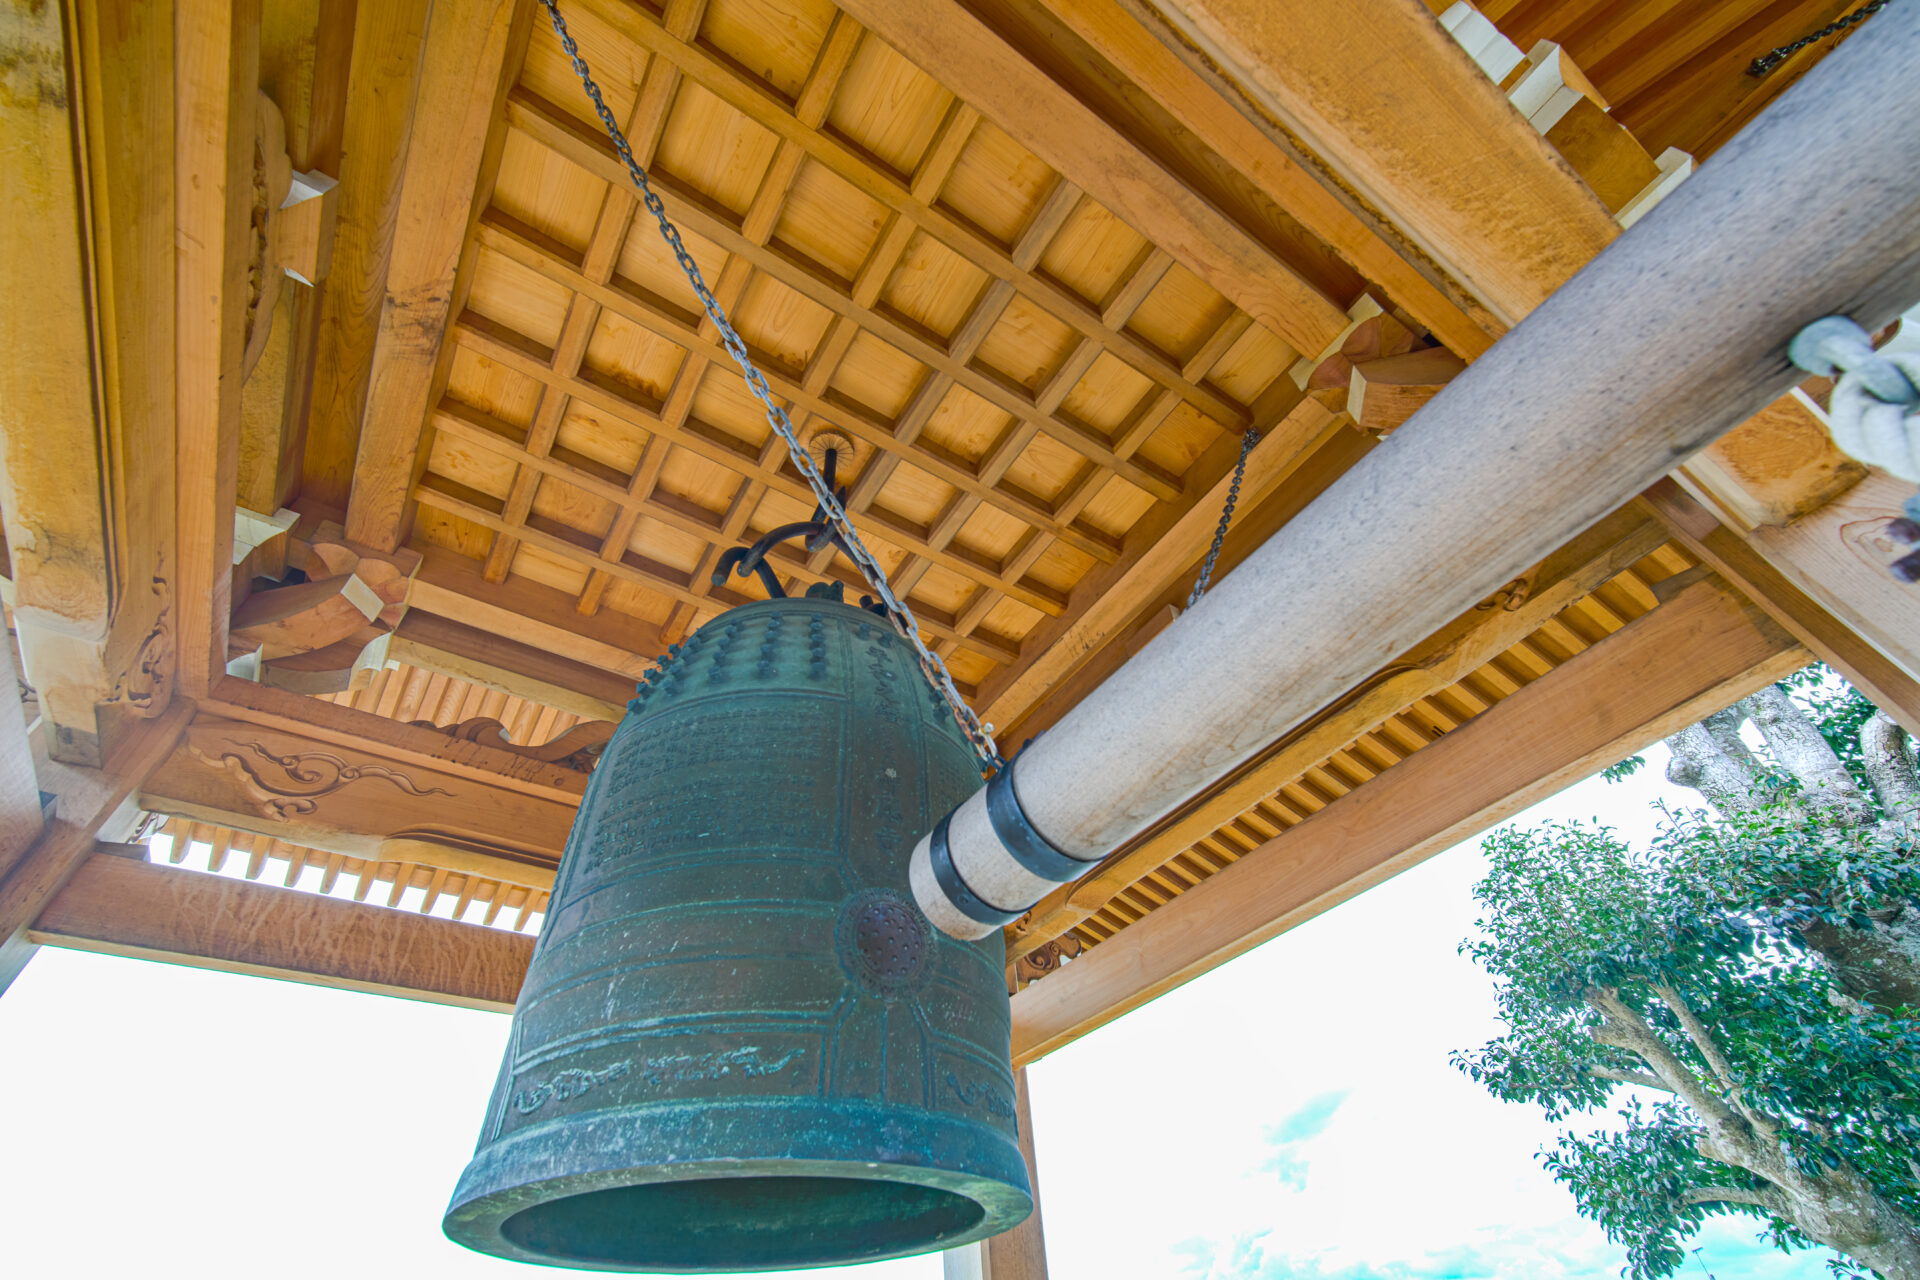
1669, 338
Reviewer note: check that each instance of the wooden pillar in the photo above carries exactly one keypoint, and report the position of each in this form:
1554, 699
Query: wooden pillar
1019, 1254
86, 390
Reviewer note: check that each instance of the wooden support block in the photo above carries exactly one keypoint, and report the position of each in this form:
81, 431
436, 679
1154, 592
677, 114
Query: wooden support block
303, 227
1604, 153
327, 552
1777, 466
1674, 166
1547, 85
1699, 651
334, 668
307, 616
1492, 52
119, 906
1384, 393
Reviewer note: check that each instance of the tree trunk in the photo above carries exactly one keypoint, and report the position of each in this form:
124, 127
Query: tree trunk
1880, 965
1841, 1210
1888, 757
1796, 743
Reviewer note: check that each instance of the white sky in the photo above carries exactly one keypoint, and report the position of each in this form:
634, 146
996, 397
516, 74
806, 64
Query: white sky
1292, 1114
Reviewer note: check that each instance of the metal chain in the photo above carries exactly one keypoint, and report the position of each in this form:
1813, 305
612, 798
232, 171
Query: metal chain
1766, 63
1247, 441
902, 617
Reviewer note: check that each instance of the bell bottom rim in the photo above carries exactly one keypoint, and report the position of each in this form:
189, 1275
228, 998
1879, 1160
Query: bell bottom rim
604, 1150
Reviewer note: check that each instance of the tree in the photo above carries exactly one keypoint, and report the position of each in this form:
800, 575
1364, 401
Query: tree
1750, 984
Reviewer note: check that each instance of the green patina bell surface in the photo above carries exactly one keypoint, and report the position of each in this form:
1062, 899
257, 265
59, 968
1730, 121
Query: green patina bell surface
740, 1045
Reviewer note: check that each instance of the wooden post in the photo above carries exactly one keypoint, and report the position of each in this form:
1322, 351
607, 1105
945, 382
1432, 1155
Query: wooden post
1019, 1254
1534, 442
86, 389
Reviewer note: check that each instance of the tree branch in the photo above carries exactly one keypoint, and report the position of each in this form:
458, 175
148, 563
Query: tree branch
1641, 1078
1772, 1202
1703, 1039
1729, 1128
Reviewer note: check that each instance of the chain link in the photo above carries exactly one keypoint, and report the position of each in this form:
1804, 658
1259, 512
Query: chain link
902, 617
1247, 441
1766, 63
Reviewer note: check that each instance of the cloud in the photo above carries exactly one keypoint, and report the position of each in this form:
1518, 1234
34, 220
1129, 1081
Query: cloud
1309, 1120
1285, 1159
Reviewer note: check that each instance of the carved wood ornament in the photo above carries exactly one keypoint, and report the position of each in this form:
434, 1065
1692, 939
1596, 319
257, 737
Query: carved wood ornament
285, 787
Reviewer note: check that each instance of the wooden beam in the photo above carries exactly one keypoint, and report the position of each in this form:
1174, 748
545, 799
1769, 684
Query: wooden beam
1044, 117
1843, 643
1467, 642
90, 804
530, 613
522, 670
1445, 158
124, 907
343, 799
1292, 180
362, 731
381, 89
468, 64
1702, 649
87, 385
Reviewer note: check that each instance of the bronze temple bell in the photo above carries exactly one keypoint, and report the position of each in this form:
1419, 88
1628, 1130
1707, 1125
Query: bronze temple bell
740, 1045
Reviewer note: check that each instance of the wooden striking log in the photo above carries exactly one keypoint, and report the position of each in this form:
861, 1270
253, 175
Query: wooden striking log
1701, 650
1560, 430
120, 906
1477, 636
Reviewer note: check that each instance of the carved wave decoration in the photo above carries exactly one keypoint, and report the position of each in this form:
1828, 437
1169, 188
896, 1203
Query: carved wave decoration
578, 748
139, 688
287, 787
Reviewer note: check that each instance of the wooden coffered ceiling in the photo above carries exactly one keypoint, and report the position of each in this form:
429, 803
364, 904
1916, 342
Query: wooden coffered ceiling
1040, 270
